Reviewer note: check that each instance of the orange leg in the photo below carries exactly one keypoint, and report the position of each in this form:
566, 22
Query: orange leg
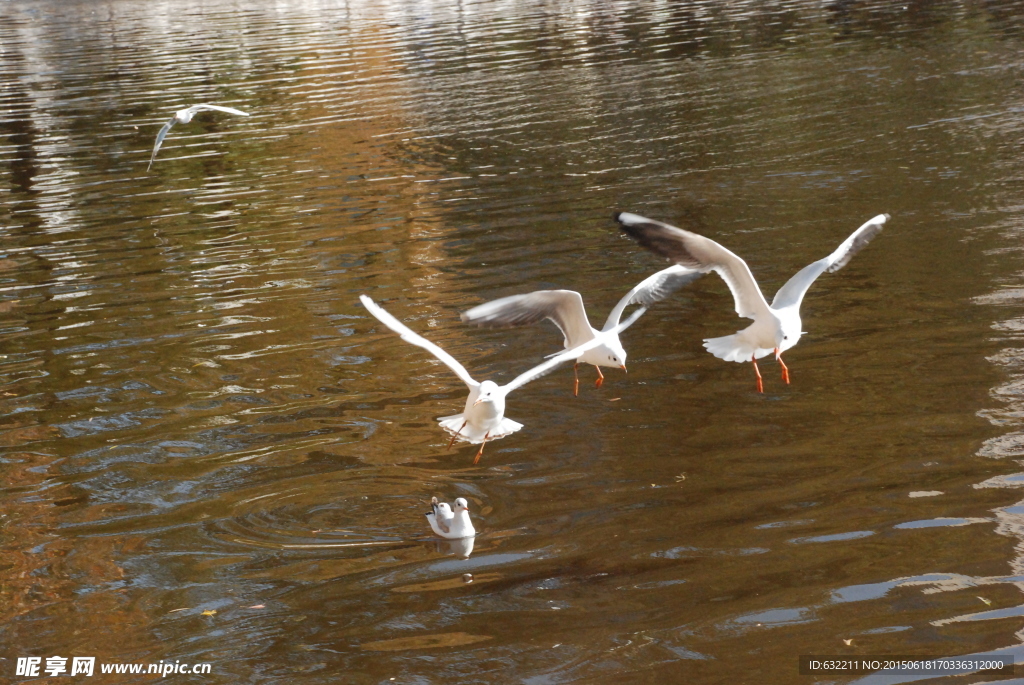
760, 385
600, 378
481, 452
575, 373
456, 435
785, 370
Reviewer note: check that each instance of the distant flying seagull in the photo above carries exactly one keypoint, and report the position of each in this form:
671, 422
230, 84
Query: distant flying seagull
183, 116
448, 523
565, 309
484, 416
776, 327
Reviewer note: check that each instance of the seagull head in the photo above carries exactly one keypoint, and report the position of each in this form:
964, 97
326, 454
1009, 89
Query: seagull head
616, 356
488, 392
443, 510
788, 335
461, 504
183, 116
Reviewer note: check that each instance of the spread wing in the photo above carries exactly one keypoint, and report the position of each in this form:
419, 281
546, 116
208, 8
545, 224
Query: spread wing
563, 307
160, 139
793, 292
700, 254
549, 366
652, 289
218, 108
410, 337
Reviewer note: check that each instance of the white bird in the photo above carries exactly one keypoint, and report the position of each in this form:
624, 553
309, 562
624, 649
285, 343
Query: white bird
565, 309
448, 523
183, 116
484, 418
777, 327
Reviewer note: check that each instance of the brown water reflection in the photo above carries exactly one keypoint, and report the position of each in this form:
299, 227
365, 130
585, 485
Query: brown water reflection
198, 417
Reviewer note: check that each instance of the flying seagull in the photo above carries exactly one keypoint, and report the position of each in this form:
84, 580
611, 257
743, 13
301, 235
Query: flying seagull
484, 416
776, 327
448, 523
565, 309
183, 116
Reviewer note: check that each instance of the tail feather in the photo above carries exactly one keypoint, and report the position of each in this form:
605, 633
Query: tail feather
734, 348
453, 423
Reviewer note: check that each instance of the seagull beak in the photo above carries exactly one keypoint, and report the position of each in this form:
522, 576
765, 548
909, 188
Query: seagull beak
623, 367
478, 401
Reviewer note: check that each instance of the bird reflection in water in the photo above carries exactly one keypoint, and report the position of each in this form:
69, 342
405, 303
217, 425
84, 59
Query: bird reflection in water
461, 548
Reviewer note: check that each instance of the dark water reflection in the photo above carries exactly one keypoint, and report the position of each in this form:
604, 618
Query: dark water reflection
198, 417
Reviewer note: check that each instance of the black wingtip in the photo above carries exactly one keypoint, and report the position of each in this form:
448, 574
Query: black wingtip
616, 216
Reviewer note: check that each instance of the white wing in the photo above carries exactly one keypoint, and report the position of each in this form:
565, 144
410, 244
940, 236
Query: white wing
160, 139
652, 289
191, 110
563, 307
410, 337
701, 254
230, 110
793, 292
549, 366
443, 523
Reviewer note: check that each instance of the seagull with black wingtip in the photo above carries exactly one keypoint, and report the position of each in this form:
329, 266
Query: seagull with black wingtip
451, 523
565, 309
484, 417
777, 327
183, 116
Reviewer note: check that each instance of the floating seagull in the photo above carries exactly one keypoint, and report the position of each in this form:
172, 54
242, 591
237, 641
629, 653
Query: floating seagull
448, 523
776, 327
183, 116
565, 309
484, 416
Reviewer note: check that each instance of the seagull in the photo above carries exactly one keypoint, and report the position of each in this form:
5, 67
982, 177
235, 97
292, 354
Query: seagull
565, 309
448, 523
484, 416
183, 116
776, 327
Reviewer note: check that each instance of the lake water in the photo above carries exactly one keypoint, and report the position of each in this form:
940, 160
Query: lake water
212, 454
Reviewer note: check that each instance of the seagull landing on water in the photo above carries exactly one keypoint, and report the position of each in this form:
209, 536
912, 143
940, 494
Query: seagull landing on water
484, 416
776, 327
565, 309
449, 523
183, 116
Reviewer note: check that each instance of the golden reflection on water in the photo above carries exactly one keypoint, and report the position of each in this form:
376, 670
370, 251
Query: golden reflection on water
424, 642
208, 456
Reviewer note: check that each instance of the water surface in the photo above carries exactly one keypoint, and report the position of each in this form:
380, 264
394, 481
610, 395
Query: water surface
198, 416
